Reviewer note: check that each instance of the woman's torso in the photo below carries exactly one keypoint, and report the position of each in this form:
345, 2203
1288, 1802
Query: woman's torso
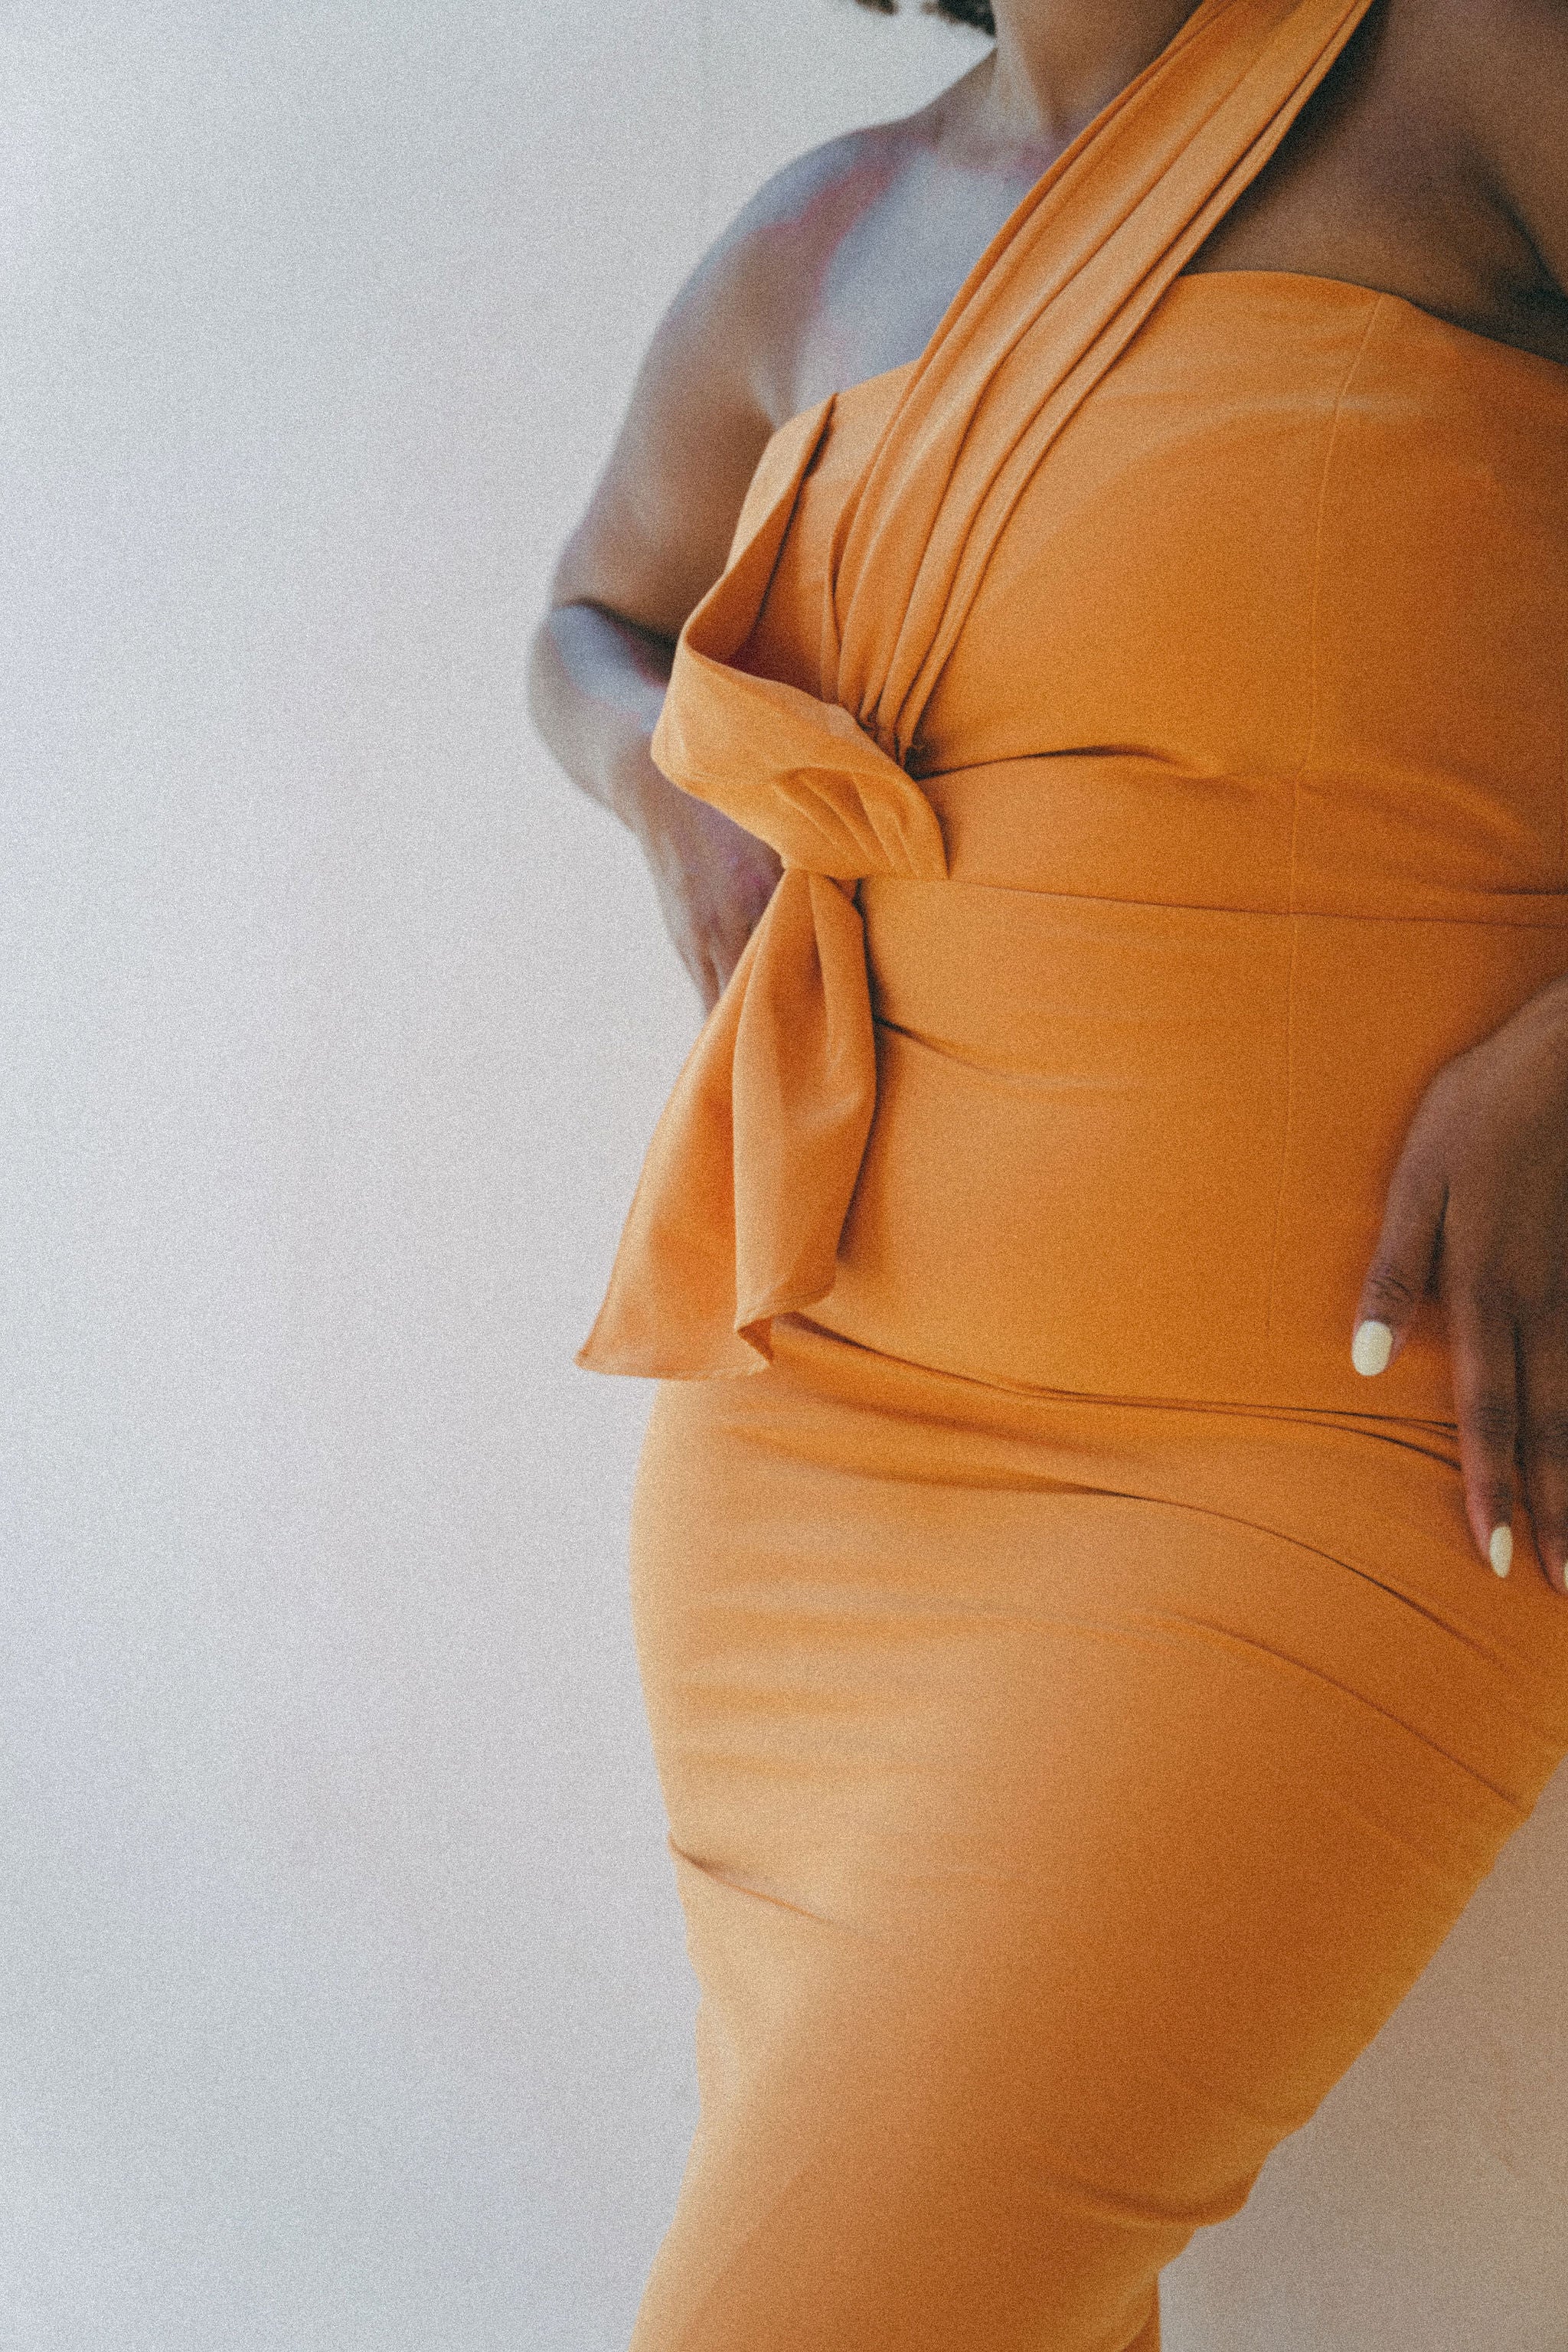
1250, 763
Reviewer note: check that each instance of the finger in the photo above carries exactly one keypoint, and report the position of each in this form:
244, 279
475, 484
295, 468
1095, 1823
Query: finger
1486, 1396
1400, 1268
1543, 1436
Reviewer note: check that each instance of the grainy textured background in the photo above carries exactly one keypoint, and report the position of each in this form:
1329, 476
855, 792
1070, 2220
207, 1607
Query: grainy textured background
344, 1999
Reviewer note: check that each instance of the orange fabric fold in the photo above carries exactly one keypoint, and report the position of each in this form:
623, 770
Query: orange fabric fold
754, 1164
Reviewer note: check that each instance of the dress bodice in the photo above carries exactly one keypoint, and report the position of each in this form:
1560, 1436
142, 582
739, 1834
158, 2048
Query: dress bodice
1286, 612
1251, 766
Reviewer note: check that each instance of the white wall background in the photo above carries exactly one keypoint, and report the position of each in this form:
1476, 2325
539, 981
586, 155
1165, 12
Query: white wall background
343, 2001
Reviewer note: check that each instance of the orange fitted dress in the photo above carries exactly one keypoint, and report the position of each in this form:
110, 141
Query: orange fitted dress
1081, 1710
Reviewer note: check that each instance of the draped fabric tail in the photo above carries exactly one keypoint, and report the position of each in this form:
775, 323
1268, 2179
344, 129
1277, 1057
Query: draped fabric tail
782, 1082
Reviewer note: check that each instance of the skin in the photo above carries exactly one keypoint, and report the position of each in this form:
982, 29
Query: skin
1432, 165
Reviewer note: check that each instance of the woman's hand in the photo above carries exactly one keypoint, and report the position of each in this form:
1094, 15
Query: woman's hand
714, 880
596, 684
1478, 1212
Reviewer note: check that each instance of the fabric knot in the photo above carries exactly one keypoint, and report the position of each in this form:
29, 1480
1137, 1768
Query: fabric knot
749, 1176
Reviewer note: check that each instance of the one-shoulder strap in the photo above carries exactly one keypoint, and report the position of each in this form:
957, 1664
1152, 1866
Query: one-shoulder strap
1046, 310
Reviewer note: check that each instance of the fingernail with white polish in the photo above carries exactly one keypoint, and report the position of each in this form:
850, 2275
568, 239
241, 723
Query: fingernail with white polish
1372, 1347
1499, 1551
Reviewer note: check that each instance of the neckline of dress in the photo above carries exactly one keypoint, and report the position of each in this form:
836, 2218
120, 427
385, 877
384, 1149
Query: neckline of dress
1495, 351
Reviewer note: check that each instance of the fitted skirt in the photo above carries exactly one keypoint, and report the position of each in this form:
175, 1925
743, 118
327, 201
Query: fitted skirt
1062, 1791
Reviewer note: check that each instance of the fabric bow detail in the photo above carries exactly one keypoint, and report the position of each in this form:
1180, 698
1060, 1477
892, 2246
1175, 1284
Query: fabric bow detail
748, 1179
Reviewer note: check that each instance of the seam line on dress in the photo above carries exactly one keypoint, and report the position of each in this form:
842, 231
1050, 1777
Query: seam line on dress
1311, 744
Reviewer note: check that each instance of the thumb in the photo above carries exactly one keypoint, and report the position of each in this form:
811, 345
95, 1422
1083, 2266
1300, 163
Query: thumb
1401, 1269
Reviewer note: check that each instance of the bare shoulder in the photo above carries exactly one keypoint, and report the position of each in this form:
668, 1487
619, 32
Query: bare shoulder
715, 384
1506, 63
762, 282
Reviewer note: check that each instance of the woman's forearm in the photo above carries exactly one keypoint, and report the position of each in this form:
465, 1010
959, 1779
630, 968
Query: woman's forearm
596, 687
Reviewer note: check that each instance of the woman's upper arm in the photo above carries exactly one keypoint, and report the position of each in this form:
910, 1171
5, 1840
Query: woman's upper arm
657, 530
715, 383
